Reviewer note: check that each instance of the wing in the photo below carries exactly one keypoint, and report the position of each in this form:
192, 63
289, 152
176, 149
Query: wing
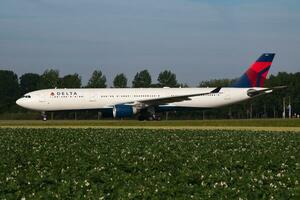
253, 92
172, 99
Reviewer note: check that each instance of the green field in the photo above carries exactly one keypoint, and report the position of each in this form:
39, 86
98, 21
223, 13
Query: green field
168, 124
148, 164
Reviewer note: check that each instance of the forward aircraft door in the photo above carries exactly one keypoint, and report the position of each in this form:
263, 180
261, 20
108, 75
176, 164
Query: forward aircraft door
43, 99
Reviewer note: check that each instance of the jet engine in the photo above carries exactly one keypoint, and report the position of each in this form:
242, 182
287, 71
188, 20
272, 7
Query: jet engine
120, 111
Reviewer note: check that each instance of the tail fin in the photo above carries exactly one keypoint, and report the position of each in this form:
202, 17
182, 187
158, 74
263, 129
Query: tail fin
256, 74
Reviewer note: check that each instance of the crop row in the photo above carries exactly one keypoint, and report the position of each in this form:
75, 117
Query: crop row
148, 164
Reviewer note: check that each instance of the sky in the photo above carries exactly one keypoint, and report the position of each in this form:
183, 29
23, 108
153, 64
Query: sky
196, 39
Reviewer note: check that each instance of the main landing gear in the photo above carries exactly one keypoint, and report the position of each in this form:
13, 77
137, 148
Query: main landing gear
149, 118
149, 115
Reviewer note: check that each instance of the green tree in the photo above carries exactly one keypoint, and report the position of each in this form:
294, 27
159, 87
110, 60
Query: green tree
98, 80
142, 80
274, 100
9, 89
183, 85
155, 85
216, 83
120, 81
49, 79
71, 81
167, 79
29, 82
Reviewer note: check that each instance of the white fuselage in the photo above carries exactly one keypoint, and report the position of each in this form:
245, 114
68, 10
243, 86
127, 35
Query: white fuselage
80, 99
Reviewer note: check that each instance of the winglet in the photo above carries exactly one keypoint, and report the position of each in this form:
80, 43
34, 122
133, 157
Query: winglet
217, 90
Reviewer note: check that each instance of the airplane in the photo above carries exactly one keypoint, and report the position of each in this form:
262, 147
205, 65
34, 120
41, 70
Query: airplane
147, 102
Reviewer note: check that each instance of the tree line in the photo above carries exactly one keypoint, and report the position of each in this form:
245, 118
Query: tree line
12, 88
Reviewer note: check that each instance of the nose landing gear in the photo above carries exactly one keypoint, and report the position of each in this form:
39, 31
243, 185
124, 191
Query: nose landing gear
44, 116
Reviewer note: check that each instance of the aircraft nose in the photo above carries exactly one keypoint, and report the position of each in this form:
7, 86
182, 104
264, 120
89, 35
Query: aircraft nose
19, 102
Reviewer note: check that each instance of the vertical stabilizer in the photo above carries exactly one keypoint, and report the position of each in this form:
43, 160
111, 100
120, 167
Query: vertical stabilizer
256, 74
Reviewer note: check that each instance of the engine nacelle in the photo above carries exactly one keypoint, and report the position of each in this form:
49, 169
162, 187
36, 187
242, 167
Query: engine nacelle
120, 111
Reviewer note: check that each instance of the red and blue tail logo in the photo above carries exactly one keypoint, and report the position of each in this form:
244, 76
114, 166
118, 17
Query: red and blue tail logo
256, 75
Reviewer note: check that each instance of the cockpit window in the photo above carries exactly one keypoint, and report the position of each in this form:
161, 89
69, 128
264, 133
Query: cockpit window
27, 96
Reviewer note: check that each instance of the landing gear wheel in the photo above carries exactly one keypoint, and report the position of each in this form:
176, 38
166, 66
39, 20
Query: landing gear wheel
141, 118
157, 118
44, 116
151, 118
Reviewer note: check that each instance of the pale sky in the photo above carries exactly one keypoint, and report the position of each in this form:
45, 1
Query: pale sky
196, 39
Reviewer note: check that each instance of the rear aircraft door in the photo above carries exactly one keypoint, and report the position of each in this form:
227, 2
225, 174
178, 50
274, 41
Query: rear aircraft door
93, 98
227, 97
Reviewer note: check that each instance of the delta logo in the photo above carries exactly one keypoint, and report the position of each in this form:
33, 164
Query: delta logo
63, 93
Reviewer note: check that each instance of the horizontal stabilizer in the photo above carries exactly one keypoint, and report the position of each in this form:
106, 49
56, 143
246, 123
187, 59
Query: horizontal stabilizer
253, 92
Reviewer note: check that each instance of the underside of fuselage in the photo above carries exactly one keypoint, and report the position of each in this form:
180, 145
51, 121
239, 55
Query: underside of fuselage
108, 112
